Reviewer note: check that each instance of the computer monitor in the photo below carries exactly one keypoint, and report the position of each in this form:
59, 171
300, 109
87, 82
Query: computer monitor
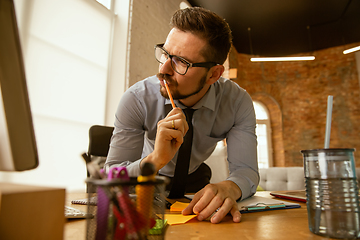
18, 151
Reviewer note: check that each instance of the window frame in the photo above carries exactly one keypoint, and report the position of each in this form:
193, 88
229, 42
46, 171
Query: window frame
267, 123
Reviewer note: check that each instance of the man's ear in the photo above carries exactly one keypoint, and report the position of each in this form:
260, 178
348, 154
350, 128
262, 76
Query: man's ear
214, 74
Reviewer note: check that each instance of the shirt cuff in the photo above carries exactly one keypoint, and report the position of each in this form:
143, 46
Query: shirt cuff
133, 168
246, 186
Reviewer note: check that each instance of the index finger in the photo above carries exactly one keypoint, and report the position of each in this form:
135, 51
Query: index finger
189, 209
175, 111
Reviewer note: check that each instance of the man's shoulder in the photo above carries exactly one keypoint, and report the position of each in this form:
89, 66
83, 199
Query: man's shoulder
148, 85
151, 82
146, 92
227, 86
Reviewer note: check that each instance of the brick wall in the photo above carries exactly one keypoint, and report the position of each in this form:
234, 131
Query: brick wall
296, 95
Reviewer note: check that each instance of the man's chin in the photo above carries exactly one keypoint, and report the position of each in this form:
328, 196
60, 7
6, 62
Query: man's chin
163, 92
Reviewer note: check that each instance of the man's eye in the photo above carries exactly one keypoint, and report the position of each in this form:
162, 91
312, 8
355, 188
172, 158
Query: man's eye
179, 62
163, 56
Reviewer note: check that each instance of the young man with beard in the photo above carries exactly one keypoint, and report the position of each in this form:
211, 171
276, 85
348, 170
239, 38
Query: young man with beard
147, 129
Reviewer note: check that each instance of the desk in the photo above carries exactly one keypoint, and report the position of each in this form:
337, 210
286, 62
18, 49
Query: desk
277, 224
75, 229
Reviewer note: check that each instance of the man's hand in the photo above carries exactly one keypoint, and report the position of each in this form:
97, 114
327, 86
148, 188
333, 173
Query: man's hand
221, 196
169, 137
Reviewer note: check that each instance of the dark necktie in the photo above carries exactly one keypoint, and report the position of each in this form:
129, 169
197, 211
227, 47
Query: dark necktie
183, 160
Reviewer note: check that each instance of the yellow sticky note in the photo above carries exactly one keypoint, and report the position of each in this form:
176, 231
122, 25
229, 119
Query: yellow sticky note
173, 219
178, 206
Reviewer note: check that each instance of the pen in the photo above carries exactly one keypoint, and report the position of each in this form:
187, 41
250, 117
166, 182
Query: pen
129, 222
120, 229
262, 206
169, 93
167, 204
103, 206
133, 223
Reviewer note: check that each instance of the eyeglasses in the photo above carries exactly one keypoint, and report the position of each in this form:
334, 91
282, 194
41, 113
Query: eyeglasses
179, 64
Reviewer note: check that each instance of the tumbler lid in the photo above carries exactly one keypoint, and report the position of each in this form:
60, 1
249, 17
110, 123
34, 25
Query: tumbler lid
328, 150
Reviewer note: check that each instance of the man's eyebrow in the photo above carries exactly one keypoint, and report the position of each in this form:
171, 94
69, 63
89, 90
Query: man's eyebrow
184, 58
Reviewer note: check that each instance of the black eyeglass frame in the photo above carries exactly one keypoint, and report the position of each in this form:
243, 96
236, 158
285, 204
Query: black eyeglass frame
188, 64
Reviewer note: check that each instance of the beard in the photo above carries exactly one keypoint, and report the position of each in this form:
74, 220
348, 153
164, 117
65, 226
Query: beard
175, 93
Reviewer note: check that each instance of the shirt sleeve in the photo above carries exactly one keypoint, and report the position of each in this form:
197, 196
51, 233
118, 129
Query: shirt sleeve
242, 148
128, 138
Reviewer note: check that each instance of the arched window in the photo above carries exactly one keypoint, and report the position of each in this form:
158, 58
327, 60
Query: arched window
263, 132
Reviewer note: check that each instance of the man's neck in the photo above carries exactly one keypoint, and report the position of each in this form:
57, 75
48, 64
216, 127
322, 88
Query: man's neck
192, 100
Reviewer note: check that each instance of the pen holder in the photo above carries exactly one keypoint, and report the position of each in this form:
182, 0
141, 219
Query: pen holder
126, 209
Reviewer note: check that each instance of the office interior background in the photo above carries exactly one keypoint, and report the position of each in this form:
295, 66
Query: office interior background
80, 56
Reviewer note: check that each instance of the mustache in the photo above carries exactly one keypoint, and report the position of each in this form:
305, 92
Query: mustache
167, 78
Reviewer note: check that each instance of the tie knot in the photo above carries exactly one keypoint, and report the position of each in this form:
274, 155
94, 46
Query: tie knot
189, 113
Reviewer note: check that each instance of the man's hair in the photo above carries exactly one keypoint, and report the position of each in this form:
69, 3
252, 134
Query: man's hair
208, 26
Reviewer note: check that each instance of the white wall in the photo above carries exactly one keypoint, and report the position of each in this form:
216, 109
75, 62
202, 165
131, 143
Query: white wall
149, 26
117, 69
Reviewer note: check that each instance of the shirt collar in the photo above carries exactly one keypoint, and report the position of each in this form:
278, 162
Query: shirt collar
168, 102
208, 100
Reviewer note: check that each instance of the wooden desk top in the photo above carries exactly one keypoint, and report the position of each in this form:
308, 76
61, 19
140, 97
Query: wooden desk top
75, 229
277, 224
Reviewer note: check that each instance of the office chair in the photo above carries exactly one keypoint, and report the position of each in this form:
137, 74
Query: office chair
99, 143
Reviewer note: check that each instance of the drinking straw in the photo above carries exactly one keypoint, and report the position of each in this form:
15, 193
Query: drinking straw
328, 121
169, 93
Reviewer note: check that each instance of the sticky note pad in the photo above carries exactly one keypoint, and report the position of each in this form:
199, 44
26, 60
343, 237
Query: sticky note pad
178, 206
173, 219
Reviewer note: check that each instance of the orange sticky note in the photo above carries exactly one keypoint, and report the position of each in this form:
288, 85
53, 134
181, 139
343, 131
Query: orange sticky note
173, 219
178, 206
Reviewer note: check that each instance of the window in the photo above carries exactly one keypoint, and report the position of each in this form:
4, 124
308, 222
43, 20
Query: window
105, 3
263, 132
184, 5
66, 49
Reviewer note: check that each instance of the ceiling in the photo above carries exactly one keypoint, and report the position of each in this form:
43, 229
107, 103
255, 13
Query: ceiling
285, 27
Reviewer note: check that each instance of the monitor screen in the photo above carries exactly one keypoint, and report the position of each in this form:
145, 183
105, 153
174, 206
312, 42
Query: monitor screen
18, 150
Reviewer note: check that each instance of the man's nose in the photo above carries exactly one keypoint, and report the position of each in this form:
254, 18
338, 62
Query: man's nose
166, 68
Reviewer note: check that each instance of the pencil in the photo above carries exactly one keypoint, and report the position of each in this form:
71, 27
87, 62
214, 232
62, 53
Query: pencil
170, 96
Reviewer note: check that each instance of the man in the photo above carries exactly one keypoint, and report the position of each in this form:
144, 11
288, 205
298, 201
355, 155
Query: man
147, 129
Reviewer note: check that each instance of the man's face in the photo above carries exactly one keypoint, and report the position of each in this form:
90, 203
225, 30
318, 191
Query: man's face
187, 46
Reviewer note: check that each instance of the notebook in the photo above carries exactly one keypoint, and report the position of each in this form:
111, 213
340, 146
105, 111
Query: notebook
295, 195
257, 203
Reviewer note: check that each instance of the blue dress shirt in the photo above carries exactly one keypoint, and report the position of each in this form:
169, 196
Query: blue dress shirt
225, 112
